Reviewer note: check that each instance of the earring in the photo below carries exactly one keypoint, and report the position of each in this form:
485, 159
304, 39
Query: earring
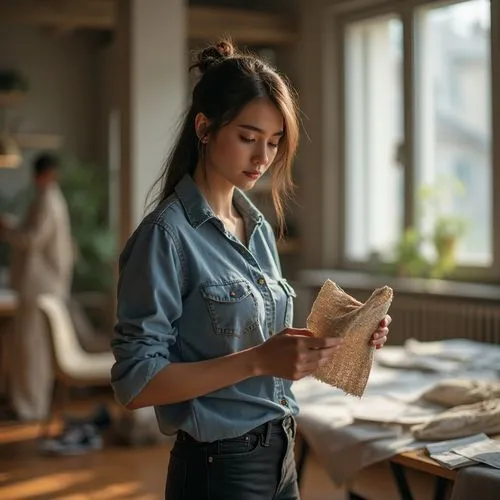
204, 139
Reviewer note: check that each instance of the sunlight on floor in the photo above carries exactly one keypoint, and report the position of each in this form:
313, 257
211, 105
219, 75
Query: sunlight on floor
44, 485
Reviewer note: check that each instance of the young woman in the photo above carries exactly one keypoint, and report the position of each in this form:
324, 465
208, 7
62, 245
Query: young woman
204, 330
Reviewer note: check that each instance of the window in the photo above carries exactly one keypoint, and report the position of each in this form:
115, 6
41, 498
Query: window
374, 133
453, 133
448, 84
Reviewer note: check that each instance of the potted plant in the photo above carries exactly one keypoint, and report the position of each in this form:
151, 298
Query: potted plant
429, 248
13, 81
448, 229
408, 255
86, 190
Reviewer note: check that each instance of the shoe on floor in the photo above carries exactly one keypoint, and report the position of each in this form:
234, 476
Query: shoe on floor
75, 440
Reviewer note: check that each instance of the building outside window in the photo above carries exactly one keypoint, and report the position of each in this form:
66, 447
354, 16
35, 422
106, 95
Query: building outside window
437, 105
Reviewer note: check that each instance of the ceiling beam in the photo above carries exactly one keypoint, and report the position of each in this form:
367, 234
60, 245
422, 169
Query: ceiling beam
204, 22
95, 14
244, 26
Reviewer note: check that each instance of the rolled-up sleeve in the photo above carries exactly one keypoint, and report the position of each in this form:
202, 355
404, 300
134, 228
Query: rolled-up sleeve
149, 303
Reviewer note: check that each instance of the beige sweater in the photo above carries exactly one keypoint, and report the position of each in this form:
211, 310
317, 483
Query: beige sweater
42, 247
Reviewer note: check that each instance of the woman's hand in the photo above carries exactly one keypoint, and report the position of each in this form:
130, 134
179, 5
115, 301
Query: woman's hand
379, 337
294, 353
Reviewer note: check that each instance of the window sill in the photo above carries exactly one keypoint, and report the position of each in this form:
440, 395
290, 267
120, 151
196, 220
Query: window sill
314, 278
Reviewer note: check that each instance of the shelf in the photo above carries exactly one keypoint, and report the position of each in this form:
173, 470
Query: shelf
38, 141
204, 22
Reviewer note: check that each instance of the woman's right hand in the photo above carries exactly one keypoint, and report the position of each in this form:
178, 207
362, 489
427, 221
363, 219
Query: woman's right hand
294, 353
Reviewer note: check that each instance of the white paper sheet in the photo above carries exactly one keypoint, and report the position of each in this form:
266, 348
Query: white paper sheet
486, 452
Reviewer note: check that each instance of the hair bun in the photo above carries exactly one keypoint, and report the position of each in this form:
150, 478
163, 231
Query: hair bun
214, 54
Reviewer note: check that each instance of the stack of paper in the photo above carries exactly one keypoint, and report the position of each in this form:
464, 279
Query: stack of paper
444, 451
485, 452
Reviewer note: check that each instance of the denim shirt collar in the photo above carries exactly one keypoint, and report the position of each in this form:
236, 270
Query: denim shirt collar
198, 211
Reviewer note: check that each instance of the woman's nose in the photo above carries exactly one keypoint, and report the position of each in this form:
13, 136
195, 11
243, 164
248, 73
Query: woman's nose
260, 157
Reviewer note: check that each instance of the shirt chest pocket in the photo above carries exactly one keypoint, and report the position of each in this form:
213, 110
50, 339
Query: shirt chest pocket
232, 307
283, 294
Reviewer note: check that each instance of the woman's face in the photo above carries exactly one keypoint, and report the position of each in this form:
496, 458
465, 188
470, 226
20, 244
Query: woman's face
240, 152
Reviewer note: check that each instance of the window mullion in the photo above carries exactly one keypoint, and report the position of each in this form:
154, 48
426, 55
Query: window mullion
495, 143
409, 115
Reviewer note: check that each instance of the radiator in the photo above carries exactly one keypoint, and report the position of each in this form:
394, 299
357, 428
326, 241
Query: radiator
426, 318
432, 317
429, 318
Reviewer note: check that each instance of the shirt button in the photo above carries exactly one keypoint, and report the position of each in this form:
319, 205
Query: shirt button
261, 281
284, 402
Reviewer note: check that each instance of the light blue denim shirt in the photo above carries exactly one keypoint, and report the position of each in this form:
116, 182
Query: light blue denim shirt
190, 291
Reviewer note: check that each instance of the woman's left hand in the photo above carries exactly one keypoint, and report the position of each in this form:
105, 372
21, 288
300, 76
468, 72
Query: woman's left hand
379, 337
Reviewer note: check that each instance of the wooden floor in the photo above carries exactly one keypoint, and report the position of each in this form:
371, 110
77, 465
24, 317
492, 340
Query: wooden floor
125, 473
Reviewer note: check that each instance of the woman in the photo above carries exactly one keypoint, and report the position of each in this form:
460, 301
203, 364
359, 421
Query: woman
204, 316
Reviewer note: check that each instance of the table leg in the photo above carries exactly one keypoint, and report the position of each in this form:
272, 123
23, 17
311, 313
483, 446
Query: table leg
401, 482
441, 488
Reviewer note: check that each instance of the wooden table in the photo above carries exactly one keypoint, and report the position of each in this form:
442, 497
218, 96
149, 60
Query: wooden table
414, 459
419, 460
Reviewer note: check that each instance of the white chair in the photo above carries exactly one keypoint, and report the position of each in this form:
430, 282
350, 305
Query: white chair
73, 366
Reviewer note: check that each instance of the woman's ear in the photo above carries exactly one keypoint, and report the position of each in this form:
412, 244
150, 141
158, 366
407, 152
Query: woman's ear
201, 124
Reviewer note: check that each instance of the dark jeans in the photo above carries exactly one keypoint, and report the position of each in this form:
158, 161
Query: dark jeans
259, 465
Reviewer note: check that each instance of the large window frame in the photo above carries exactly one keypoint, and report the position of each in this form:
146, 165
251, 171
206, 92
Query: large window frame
342, 15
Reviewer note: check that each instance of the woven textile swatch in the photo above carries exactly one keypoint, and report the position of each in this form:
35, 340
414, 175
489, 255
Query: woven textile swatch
336, 314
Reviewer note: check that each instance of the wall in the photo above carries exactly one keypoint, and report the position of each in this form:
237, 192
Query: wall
63, 73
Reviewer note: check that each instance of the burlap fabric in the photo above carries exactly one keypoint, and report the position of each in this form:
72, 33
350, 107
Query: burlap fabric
336, 314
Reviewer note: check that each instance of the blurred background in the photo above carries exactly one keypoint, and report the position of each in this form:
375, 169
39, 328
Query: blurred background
397, 176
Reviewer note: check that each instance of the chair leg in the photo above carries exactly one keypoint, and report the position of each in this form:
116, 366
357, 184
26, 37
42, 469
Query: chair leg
44, 430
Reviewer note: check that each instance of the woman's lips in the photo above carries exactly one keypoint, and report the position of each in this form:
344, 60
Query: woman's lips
252, 175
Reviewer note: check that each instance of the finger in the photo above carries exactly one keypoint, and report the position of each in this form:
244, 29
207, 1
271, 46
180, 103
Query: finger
299, 332
312, 365
322, 343
385, 322
381, 332
379, 342
315, 357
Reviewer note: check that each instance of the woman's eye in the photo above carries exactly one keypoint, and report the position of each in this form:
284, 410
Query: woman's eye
247, 139
273, 145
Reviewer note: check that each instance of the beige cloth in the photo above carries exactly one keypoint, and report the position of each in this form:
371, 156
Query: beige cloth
461, 392
461, 421
336, 314
42, 262
42, 247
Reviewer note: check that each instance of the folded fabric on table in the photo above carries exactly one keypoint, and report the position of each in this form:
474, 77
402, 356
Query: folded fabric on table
336, 314
461, 421
456, 392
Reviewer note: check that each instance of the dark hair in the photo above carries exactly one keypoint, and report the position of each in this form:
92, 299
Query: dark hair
45, 162
229, 81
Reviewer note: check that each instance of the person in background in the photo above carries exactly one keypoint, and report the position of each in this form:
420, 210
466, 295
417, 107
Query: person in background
42, 262
204, 331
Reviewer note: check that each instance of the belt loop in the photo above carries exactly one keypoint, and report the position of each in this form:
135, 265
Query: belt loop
267, 434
